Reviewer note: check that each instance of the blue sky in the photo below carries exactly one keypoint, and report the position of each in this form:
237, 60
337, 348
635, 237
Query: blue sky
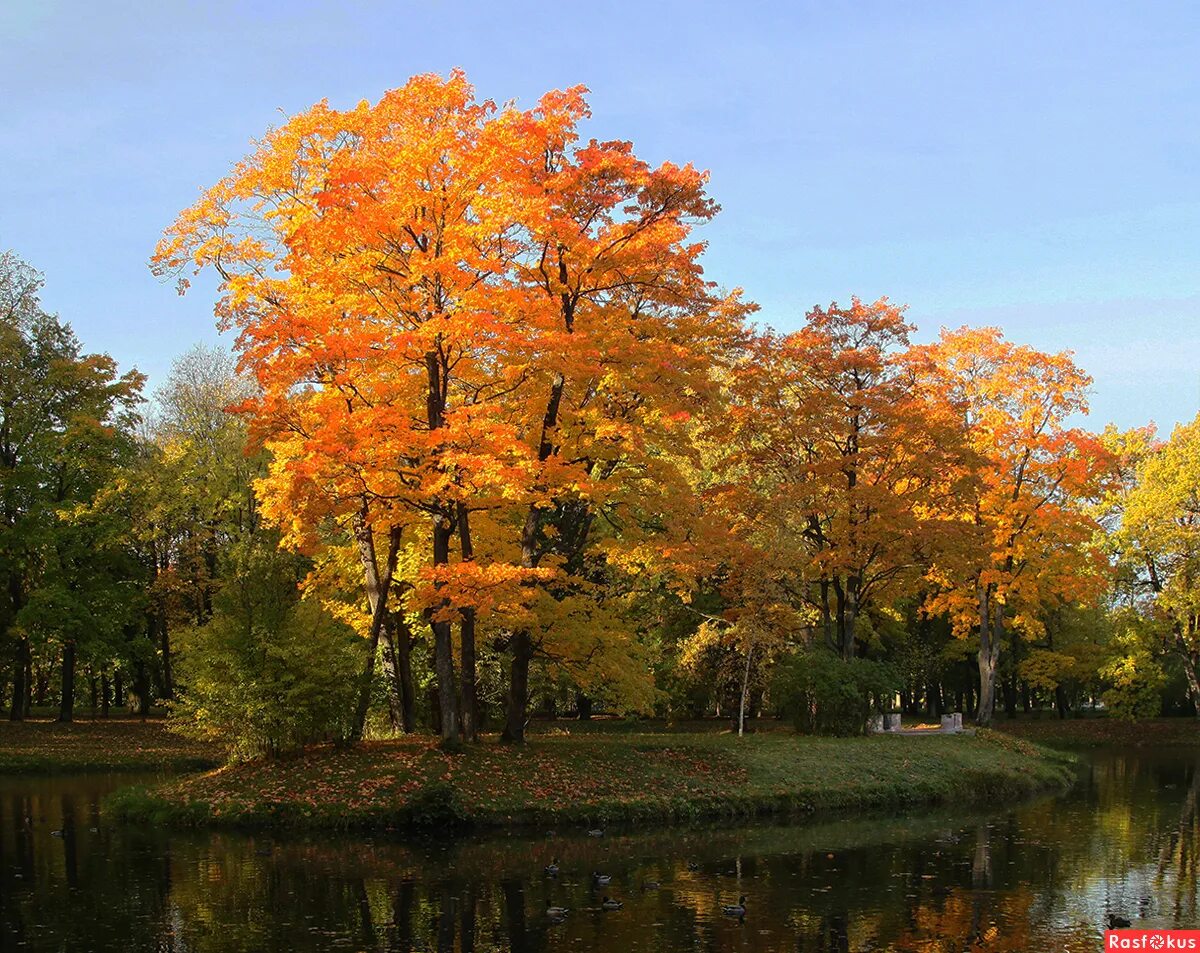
1031, 165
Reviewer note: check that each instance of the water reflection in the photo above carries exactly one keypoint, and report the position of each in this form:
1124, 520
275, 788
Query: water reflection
1041, 876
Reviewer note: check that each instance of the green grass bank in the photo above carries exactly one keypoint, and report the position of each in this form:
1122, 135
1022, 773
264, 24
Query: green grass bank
597, 779
114, 744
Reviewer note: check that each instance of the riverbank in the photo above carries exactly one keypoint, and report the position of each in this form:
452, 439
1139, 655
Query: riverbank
115, 744
1104, 732
599, 779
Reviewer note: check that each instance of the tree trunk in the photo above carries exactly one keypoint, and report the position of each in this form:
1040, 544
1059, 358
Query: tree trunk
1189, 669
989, 656
105, 694
518, 688
401, 638
141, 685
1010, 696
378, 583
21, 666
66, 710
443, 637
119, 697
470, 699
583, 707
851, 617
745, 689
164, 644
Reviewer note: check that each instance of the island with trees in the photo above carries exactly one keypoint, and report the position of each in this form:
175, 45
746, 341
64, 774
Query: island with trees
502, 512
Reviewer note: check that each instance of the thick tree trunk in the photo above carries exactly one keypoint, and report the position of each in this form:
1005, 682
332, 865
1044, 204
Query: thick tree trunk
66, 709
105, 694
119, 696
989, 657
21, 666
521, 648
583, 707
470, 695
851, 617
443, 638
401, 643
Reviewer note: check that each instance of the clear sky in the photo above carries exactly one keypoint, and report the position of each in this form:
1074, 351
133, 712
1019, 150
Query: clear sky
1032, 165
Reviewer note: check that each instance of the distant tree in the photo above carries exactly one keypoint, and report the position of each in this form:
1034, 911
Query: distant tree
66, 423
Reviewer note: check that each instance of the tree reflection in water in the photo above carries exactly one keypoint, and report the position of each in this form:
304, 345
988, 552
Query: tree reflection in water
1043, 875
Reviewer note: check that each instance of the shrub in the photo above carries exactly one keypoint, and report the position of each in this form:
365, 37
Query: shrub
269, 672
825, 695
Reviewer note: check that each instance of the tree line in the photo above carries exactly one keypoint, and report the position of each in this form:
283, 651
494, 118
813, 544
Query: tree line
492, 442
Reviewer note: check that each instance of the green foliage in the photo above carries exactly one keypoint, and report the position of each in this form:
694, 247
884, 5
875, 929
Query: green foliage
825, 695
437, 804
269, 672
1135, 679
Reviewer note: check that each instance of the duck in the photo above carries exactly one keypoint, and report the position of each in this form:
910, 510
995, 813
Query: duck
692, 865
609, 904
596, 832
602, 880
556, 913
735, 909
1117, 923
57, 834
552, 868
650, 885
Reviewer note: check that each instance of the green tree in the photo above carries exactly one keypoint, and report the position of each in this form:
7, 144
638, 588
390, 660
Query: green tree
66, 417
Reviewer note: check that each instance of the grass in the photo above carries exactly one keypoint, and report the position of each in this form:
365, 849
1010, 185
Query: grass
118, 744
1101, 732
599, 779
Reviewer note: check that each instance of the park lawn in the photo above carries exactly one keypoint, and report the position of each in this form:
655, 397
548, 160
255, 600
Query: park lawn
116, 744
597, 779
1100, 731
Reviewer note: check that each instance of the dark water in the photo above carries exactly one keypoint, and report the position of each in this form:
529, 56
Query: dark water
1040, 876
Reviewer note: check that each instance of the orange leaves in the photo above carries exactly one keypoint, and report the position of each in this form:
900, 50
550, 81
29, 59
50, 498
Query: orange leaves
1037, 476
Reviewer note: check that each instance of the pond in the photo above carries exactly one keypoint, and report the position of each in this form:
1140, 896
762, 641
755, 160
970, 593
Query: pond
1036, 876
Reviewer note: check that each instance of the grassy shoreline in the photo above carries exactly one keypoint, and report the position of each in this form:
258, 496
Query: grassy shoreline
598, 779
116, 744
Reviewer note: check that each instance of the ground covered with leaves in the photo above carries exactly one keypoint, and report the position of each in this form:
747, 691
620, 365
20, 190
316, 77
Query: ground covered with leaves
1099, 732
115, 744
598, 779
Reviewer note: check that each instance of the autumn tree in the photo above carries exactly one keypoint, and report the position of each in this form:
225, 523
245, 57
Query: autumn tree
1158, 541
456, 313
1031, 526
835, 456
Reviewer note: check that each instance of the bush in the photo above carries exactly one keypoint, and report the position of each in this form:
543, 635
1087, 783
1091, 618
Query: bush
1134, 681
823, 694
269, 672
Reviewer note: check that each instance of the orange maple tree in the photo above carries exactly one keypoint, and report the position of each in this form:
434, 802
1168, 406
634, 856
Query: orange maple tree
1031, 525
455, 313
835, 457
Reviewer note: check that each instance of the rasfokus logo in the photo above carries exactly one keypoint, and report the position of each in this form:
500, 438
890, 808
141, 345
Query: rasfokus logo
1152, 940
